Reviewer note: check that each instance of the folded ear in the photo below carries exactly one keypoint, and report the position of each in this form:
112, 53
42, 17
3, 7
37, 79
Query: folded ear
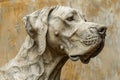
36, 25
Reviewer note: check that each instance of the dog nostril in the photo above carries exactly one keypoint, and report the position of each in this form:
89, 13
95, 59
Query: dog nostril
102, 30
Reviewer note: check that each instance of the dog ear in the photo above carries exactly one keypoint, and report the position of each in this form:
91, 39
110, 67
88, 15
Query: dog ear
29, 27
36, 25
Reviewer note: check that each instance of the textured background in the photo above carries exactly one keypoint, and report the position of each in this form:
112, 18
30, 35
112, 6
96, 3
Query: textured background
106, 66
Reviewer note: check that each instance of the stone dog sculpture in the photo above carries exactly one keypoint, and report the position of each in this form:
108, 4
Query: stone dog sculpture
54, 35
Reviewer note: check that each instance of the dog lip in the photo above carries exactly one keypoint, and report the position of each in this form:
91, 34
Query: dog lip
74, 57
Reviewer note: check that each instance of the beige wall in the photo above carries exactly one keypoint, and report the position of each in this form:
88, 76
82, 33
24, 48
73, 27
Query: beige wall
106, 66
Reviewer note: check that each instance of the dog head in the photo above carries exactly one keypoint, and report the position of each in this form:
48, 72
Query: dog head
65, 31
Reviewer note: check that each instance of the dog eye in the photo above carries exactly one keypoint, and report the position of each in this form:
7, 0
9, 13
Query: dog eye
70, 18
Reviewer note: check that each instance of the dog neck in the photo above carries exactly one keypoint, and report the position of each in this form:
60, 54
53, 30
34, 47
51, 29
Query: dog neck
53, 63
28, 64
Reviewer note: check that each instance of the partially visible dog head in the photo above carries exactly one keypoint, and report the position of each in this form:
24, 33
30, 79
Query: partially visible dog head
66, 32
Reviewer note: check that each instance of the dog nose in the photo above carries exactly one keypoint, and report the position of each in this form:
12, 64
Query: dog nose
102, 30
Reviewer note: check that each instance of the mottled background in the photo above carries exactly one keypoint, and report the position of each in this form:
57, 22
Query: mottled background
106, 66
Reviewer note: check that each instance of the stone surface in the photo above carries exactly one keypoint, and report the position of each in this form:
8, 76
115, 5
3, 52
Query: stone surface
105, 66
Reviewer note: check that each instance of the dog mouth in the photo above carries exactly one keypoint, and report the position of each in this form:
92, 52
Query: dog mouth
85, 58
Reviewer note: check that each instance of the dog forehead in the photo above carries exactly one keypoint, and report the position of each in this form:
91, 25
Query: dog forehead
63, 11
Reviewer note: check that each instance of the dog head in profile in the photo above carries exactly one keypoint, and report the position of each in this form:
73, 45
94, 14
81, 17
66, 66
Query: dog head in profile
65, 31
